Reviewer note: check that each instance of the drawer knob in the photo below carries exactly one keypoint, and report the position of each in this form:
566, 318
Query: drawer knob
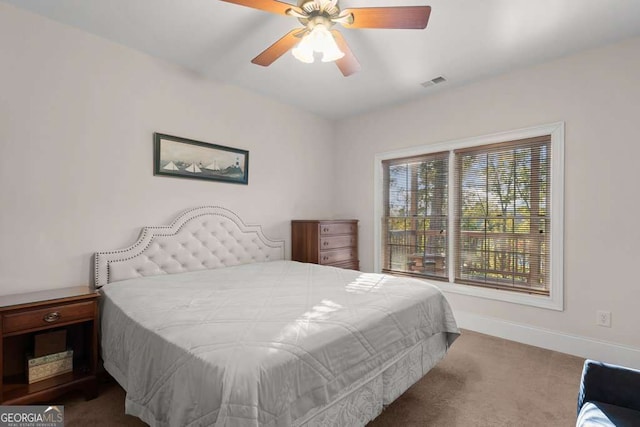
325, 243
51, 317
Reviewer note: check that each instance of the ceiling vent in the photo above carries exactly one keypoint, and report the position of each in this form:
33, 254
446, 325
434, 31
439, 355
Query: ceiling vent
434, 82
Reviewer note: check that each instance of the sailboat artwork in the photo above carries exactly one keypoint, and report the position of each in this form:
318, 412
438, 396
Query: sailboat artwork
186, 158
213, 166
170, 167
193, 168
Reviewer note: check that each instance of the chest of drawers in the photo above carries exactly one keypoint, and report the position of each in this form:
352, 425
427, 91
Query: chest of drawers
326, 242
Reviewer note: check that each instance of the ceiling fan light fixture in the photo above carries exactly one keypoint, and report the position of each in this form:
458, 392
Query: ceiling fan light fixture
318, 40
317, 34
331, 50
304, 51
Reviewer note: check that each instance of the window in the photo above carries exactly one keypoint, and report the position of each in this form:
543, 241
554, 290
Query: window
416, 215
502, 221
483, 215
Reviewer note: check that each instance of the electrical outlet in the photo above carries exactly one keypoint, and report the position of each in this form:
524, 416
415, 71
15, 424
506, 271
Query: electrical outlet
603, 318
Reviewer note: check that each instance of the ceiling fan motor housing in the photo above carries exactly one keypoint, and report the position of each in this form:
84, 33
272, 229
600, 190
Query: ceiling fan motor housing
316, 12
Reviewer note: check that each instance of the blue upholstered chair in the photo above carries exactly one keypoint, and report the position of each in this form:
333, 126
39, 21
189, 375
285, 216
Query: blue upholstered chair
609, 396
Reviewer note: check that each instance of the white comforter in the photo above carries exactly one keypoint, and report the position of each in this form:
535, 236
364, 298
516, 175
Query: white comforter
258, 344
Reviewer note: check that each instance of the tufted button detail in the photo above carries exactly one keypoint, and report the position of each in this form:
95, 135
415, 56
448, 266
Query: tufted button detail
224, 241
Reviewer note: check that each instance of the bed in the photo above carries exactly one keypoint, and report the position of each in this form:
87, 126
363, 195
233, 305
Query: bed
204, 322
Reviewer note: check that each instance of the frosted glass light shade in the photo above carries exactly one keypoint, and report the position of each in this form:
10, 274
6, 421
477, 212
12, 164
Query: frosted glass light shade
318, 40
332, 52
304, 51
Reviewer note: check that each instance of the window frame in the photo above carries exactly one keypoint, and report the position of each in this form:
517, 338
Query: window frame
555, 300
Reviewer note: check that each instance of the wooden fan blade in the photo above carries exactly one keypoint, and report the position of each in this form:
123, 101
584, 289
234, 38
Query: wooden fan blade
348, 64
272, 6
408, 17
276, 50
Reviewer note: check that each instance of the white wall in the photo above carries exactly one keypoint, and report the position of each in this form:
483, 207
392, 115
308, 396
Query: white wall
77, 117
597, 95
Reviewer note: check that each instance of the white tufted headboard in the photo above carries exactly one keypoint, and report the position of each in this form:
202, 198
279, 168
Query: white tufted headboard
200, 238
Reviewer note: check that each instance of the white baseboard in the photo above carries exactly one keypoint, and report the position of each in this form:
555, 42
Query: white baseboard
553, 340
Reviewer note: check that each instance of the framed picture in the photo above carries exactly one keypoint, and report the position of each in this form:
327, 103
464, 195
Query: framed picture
186, 158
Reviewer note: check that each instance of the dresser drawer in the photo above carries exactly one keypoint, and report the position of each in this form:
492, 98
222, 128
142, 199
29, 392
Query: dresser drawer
337, 255
337, 228
349, 265
333, 242
46, 317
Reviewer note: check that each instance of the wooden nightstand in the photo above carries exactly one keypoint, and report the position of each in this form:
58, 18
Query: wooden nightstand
22, 317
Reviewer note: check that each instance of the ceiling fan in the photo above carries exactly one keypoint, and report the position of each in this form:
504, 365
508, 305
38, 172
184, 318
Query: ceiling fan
319, 16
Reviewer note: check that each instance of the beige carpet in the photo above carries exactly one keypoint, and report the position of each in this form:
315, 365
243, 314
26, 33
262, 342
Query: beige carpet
483, 381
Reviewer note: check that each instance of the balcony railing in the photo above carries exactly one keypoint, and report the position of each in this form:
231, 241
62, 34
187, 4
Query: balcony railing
420, 253
495, 259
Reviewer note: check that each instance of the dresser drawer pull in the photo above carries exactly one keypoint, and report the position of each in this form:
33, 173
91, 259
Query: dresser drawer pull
326, 243
51, 317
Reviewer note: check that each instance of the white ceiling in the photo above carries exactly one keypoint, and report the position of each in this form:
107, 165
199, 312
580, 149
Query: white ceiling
465, 40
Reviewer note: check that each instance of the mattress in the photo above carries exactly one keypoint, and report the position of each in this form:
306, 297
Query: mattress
264, 344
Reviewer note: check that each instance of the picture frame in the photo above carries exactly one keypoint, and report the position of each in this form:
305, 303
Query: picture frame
186, 158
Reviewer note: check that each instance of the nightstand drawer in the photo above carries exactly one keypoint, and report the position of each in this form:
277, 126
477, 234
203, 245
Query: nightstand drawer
334, 242
338, 228
338, 255
46, 317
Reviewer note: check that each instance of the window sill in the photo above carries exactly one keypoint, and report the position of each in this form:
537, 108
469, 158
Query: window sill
553, 302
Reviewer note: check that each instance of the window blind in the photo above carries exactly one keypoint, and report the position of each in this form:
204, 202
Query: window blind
502, 235
415, 222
